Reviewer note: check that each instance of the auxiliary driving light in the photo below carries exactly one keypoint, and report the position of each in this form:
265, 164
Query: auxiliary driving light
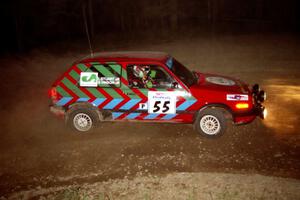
255, 88
242, 105
262, 96
265, 113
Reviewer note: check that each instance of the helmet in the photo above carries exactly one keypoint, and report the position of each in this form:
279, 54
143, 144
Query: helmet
137, 71
146, 68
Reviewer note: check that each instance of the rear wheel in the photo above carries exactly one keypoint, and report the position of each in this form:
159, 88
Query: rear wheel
82, 120
210, 123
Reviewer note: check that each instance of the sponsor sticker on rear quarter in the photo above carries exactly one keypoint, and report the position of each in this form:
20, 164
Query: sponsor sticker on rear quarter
109, 80
237, 97
88, 79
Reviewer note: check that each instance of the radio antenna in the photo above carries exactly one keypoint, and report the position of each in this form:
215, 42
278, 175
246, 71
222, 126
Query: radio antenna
87, 29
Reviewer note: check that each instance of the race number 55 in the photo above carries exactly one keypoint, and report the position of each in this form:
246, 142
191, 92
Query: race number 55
162, 102
164, 108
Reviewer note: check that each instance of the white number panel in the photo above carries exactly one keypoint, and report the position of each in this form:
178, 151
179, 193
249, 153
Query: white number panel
161, 102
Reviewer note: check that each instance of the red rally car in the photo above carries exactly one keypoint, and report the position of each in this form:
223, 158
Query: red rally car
151, 87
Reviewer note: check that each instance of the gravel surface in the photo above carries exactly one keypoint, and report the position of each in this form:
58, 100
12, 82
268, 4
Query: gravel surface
204, 186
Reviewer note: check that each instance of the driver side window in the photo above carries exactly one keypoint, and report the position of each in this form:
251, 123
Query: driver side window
149, 76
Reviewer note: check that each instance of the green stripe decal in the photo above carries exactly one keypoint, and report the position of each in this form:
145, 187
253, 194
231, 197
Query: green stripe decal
88, 70
124, 87
102, 69
82, 67
74, 75
124, 74
96, 93
144, 91
116, 68
113, 93
61, 91
74, 88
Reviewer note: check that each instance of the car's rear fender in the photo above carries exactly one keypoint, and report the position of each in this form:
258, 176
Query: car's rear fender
85, 105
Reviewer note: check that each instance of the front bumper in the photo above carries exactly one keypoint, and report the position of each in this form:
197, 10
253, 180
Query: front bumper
249, 116
261, 111
259, 96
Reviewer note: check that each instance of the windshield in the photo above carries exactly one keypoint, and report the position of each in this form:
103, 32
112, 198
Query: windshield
184, 74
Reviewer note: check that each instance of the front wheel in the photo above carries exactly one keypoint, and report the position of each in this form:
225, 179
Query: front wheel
210, 123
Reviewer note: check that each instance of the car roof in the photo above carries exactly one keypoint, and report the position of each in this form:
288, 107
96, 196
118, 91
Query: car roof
124, 56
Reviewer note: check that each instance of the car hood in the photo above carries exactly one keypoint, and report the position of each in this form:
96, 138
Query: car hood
214, 82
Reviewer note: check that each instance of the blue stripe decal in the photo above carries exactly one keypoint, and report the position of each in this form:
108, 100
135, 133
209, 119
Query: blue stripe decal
63, 101
97, 102
130, 104
116, 114
151, 116
132, 115
83, 99
169, 116
113, 104
186, 104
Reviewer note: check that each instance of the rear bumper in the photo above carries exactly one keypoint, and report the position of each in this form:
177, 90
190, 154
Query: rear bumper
57, 110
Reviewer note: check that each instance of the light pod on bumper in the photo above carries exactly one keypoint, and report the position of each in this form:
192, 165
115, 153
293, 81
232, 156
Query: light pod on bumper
262, 96
255, 88
265, 113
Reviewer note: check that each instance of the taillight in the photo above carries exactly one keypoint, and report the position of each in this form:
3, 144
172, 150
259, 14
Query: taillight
242, 105
53, 94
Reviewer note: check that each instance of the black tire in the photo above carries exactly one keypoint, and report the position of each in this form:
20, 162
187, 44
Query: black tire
88, 117
213, 123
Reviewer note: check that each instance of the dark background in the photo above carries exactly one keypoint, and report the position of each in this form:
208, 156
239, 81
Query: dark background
33, 23
256, 41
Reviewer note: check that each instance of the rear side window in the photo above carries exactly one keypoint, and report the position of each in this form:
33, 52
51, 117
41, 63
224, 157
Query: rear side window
108, 74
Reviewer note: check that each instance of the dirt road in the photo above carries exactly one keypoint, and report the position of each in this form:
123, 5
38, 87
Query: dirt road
38, 151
